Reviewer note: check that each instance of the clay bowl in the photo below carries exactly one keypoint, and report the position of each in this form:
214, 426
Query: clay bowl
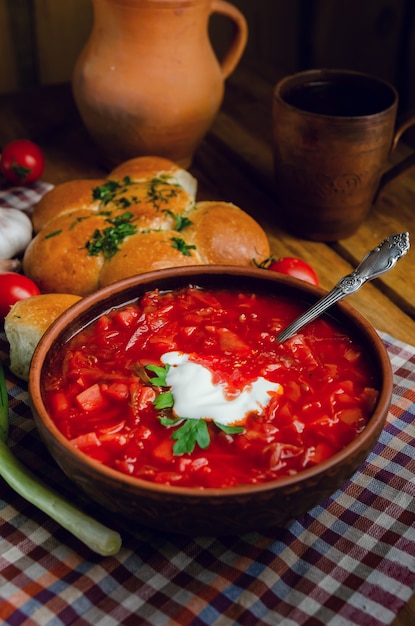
209, 511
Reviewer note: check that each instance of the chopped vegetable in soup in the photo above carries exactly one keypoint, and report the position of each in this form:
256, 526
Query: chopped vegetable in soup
190, 388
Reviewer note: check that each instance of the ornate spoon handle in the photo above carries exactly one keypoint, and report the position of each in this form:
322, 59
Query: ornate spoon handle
376, 262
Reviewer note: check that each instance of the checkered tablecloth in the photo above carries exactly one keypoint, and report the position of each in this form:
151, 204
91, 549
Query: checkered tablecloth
348, 562
22, 198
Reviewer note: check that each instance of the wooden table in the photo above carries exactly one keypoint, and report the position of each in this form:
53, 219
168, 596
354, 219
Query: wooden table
234, 163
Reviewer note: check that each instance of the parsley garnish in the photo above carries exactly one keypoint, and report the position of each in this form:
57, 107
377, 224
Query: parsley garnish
55, 232
182, 246
170, 421
106, 192
191, 432
161, 189
123, 202
230, 430
78, 220
161, 374
113, 190
108, 240
163, 400
181, 220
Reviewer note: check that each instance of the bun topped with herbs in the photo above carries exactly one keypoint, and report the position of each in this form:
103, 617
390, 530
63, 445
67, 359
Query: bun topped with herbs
144, 216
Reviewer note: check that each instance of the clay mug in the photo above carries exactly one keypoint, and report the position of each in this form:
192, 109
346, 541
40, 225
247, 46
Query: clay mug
333, 134
148, 81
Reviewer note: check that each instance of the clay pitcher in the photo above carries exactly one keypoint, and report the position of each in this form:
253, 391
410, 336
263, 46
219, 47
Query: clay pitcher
148, 81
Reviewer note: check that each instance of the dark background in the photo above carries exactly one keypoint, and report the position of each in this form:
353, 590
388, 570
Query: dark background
41, 39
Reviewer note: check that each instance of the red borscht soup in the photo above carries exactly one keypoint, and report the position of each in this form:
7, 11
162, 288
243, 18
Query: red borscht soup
190, 388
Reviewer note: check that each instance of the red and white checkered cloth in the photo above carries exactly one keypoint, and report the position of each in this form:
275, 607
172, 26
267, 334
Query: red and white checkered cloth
348, 562
23, 198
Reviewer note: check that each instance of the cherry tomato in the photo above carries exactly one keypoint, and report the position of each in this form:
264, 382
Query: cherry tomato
14, 287
22, 162
294, 267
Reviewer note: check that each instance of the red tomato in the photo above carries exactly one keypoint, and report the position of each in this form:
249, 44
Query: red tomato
14, 287
22, 162
294, 267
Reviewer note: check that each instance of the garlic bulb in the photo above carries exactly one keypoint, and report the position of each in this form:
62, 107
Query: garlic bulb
15, 232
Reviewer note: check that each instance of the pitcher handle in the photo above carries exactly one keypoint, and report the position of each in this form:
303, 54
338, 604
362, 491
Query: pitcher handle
407, 163
238, 43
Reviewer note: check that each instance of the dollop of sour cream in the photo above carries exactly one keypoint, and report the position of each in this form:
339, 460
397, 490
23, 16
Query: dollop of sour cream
195, 395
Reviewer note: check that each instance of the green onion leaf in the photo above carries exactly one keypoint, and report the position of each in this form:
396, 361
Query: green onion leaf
4, 407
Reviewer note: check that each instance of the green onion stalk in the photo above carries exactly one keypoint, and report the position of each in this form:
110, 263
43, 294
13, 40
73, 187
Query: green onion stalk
95, 535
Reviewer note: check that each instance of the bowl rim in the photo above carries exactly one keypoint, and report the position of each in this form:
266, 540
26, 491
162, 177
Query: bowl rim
59, 327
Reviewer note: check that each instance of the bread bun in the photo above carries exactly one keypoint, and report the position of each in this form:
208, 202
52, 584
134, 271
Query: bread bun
57, 259
225, 234
66, 197
157, 250
25, 324
149, 167
142, 217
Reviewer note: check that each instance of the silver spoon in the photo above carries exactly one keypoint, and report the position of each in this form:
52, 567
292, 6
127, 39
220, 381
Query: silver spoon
376, 262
